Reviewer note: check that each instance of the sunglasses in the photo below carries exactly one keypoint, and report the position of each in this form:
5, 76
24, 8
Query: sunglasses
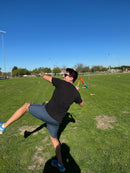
67, 75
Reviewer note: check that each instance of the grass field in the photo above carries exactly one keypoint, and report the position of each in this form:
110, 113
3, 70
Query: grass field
95, 137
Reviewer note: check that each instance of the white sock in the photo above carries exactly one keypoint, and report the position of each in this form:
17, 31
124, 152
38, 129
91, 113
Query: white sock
3, 126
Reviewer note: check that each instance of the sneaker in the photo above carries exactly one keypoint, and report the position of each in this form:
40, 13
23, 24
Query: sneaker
55, 163
2, 129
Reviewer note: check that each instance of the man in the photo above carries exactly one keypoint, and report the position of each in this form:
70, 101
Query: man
54, 111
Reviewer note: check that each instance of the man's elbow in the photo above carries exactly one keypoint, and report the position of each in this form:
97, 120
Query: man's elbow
82, 104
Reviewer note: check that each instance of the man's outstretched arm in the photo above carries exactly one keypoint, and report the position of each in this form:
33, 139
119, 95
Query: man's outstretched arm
48, 78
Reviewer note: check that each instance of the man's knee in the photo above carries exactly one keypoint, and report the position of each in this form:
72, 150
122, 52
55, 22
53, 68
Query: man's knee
26, 106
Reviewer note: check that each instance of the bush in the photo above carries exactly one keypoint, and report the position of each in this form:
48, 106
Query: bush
20, 72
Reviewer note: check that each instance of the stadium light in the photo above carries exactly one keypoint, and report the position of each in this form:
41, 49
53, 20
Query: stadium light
3, 32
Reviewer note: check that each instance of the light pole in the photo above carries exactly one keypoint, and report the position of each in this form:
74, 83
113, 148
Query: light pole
3, 32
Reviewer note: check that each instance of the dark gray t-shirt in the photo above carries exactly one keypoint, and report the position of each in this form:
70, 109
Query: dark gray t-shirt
64, 95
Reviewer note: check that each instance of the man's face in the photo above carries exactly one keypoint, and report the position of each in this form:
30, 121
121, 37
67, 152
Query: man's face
67, 77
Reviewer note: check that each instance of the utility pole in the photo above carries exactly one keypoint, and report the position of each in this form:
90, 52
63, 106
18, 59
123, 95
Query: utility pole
3, 32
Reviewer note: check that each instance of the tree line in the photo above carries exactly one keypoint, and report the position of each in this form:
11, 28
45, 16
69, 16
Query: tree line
80, 68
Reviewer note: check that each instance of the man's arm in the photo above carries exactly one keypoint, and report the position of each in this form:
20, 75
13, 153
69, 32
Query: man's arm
48, 78
82, 103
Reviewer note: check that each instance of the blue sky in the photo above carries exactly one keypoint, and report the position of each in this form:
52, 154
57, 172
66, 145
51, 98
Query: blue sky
48, 33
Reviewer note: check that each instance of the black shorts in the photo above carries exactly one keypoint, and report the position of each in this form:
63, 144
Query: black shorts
39, 111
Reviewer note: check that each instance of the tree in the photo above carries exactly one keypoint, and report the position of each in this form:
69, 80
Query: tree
34, 71
79, 67
46, 70
0, 70
20, 72
15, 73
104, 69
85, 69
56, 70
14, 68
96, 68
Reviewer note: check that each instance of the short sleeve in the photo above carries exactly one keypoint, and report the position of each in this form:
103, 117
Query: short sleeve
56, 82
78, 98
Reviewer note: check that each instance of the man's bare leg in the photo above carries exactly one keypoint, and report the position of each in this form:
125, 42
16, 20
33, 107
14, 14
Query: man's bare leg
57, 148
18, 114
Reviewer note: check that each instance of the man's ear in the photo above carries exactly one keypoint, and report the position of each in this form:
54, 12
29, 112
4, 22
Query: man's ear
72, 79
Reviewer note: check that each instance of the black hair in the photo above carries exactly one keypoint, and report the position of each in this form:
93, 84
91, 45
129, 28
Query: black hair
72, 73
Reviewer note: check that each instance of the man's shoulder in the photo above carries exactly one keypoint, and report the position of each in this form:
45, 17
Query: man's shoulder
57, 81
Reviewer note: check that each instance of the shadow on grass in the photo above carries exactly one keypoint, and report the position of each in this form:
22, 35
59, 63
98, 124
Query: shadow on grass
70, 164
66, 120
27, 133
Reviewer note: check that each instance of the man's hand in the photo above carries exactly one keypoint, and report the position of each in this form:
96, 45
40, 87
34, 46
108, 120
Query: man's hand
77, 87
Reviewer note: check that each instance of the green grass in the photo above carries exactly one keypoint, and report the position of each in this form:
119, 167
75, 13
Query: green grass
92, 150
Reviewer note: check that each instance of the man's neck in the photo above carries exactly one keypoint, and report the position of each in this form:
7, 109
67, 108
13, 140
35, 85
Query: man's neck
69, 82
